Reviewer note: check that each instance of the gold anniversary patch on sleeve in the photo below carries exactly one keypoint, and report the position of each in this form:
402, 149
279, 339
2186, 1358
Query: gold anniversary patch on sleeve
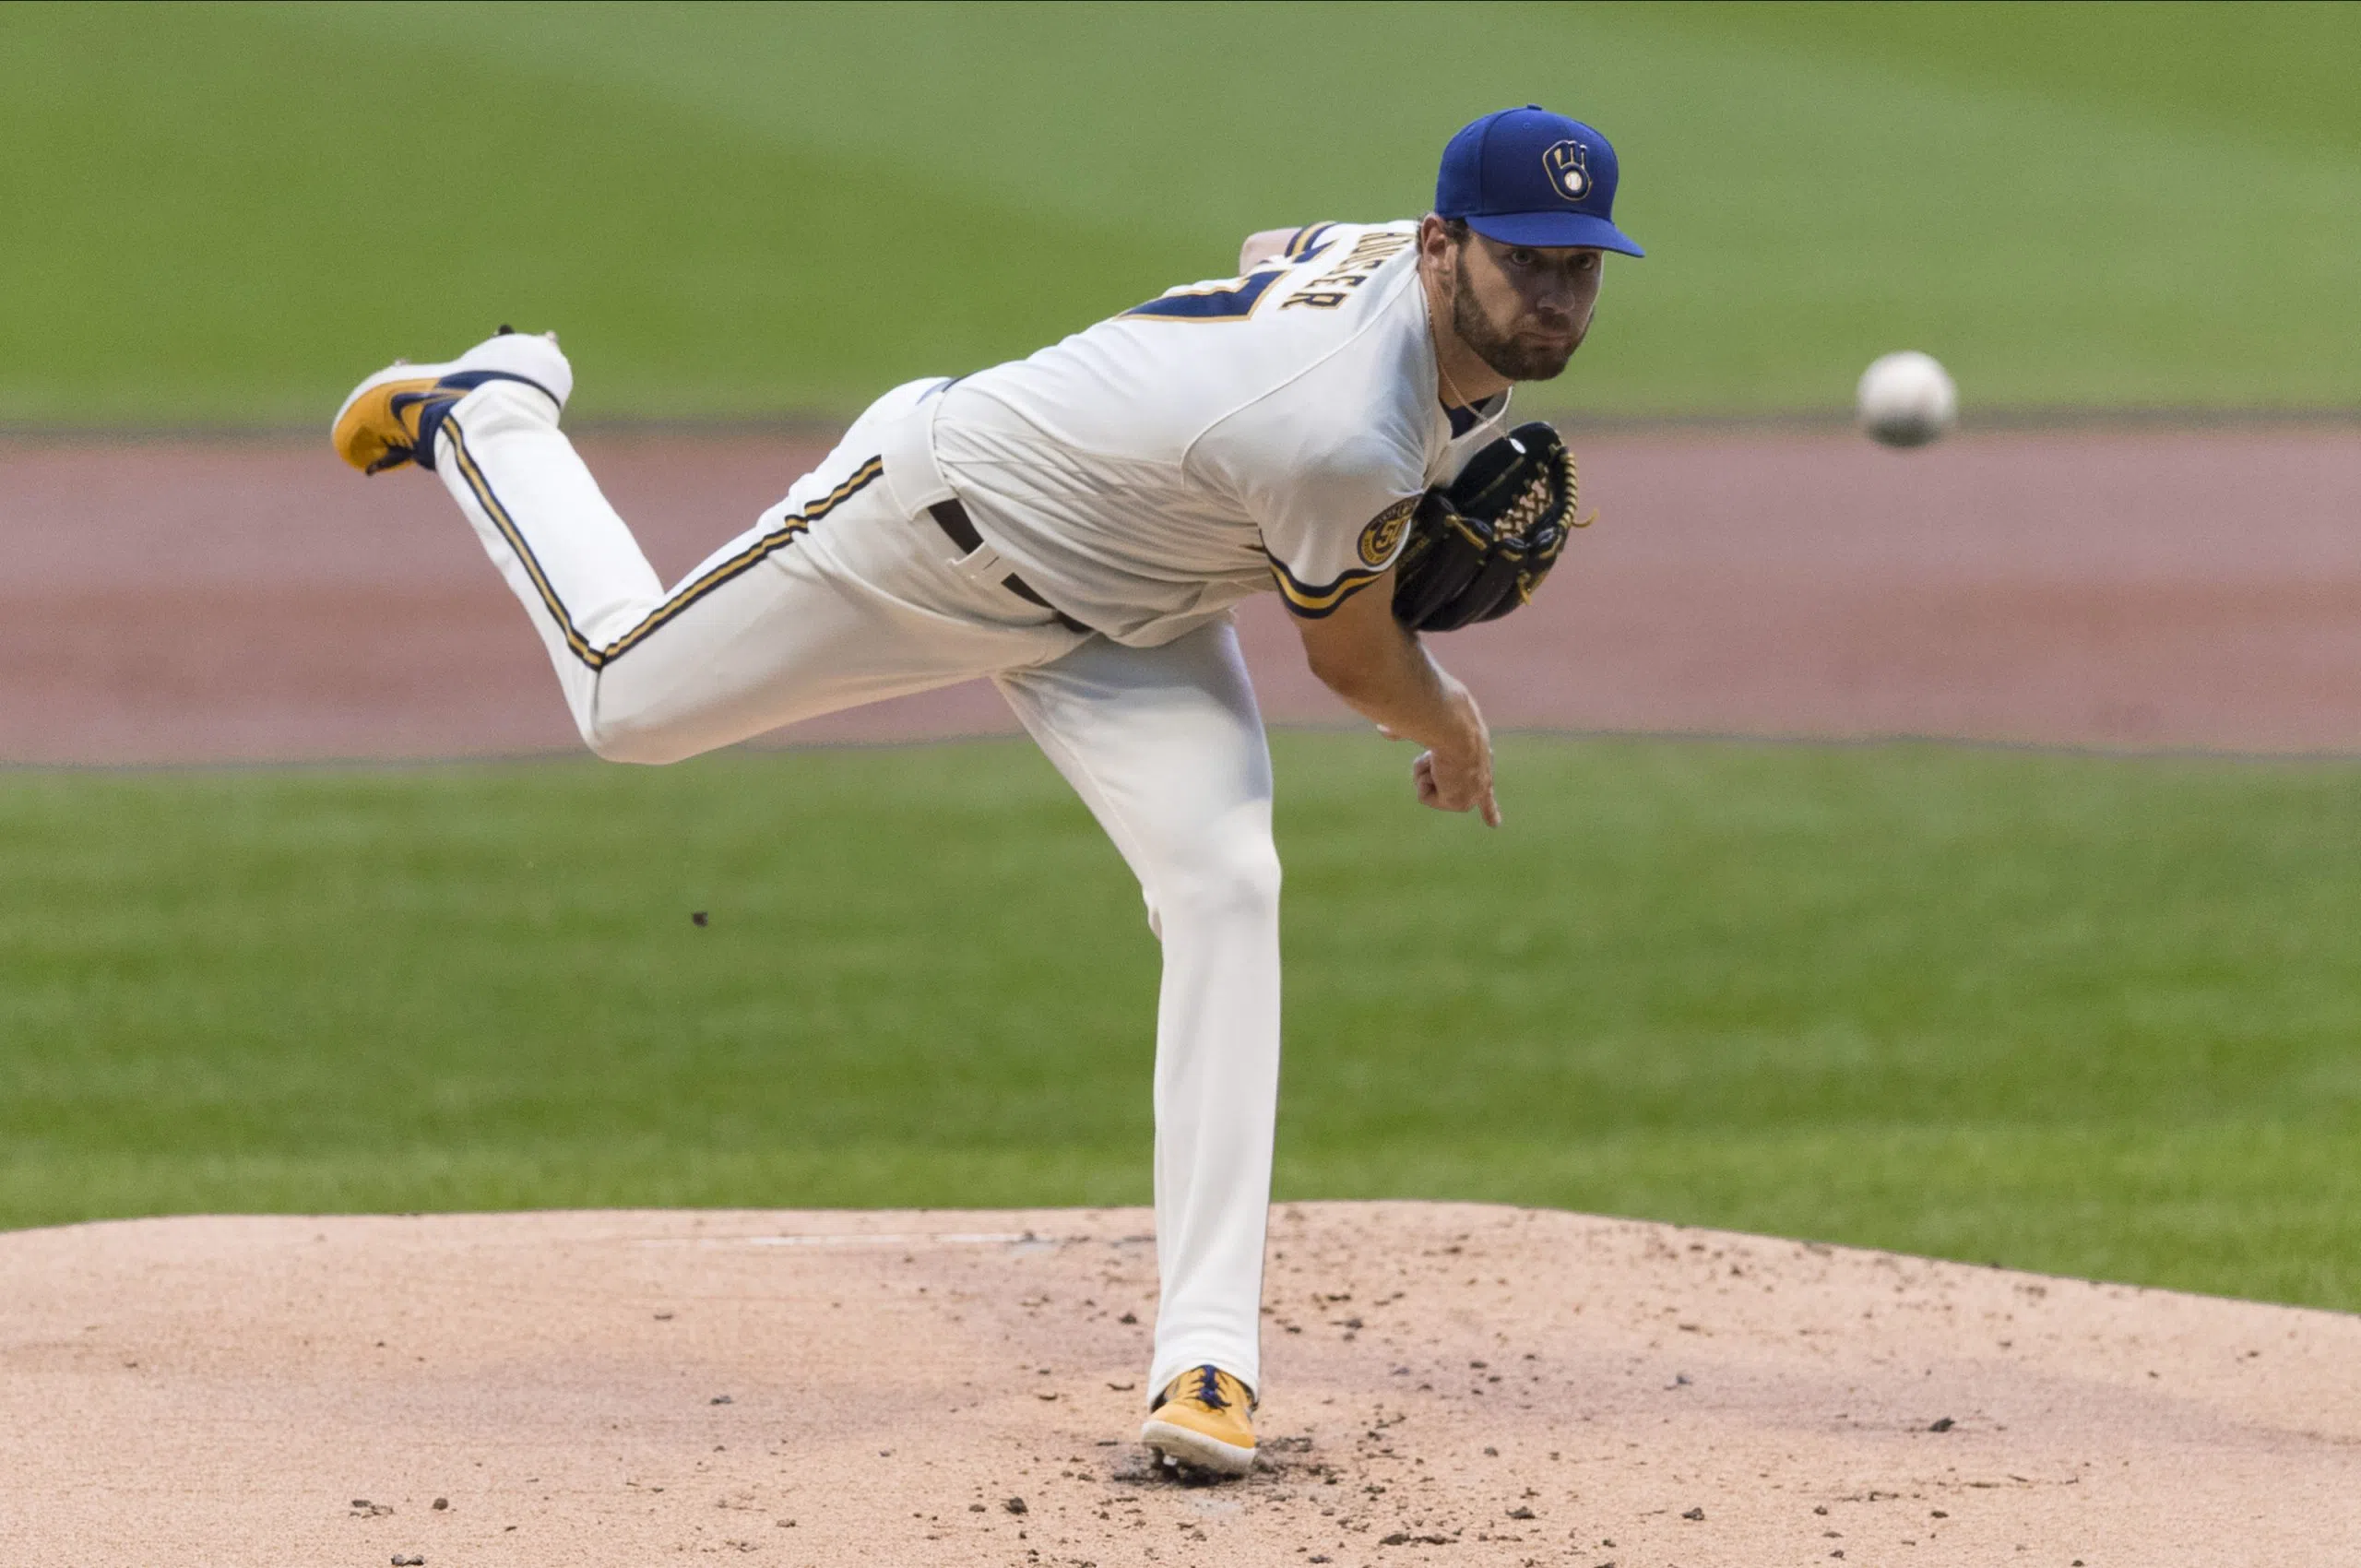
1384, 531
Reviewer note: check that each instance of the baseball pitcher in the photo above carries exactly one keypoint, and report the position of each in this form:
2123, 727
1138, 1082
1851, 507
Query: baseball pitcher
1076, 525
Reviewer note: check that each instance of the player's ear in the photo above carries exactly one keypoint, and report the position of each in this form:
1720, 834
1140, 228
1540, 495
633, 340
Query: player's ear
1436, 247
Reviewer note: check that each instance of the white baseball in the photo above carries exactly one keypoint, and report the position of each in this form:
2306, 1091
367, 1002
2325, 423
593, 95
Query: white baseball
1906, 399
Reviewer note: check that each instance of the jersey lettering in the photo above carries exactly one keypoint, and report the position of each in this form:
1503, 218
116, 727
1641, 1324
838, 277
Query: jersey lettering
1332, 288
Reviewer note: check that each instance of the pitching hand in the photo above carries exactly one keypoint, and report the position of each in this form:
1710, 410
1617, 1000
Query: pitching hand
1455, 785
1456, 775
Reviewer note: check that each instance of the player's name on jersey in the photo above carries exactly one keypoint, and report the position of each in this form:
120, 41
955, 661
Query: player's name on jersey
1335, 286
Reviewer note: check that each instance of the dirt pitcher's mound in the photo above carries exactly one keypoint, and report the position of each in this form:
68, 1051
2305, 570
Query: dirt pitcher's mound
1448, 1383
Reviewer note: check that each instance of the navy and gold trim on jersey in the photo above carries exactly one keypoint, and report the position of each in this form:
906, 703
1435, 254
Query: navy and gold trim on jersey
1310, 603
1233, 300
1306, 240
598, 655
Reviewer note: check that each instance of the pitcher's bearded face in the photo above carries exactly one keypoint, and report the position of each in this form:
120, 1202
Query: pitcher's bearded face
1522, 309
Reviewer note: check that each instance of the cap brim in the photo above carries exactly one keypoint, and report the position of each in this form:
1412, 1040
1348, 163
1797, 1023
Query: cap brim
1555, 228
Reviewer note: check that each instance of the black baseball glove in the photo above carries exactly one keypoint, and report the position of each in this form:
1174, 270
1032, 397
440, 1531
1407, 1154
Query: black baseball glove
1480, 545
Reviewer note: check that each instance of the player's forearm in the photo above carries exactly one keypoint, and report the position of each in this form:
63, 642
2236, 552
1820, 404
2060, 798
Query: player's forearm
1388, 677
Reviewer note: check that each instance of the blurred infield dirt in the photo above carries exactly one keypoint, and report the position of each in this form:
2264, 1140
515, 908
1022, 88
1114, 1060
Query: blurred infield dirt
2129, 587
1446, 1384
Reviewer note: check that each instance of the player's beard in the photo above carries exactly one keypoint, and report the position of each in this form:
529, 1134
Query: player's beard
1519, 359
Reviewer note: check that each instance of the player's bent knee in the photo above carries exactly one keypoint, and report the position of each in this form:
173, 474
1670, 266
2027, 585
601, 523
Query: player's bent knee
1221, 879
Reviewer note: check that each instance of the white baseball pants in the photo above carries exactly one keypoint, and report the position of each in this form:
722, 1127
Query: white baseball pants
847, 592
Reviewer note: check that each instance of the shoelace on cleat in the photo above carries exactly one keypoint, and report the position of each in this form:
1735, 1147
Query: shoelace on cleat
1209, 1389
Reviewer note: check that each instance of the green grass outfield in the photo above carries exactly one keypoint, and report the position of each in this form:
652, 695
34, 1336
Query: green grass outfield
2075, 1014
218, 214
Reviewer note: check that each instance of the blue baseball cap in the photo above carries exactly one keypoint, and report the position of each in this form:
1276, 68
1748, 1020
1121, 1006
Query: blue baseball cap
1528, 177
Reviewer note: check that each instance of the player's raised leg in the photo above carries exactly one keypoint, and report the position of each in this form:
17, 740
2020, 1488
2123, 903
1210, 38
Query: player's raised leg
834, 598
1167, 747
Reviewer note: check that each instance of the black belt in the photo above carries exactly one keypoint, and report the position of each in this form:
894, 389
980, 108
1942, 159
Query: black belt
952, 519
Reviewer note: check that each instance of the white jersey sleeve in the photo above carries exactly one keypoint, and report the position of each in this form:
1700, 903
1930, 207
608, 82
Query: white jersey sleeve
1331, 464
1334, 505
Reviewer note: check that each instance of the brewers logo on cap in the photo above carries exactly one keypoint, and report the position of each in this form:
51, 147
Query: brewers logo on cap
1528, 177
1569, 166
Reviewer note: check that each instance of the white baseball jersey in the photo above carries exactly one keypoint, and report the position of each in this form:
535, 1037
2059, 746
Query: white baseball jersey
1151, 471
1144, 476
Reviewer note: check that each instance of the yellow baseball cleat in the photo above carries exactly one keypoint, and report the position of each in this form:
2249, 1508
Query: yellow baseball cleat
1204, 1418
392, 418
